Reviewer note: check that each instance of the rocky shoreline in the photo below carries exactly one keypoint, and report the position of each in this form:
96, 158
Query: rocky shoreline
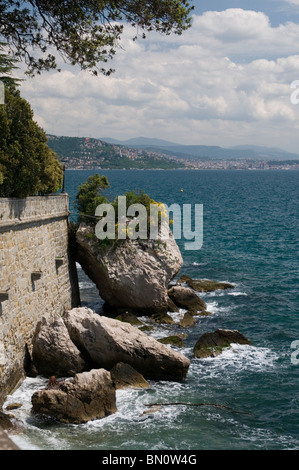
87, 356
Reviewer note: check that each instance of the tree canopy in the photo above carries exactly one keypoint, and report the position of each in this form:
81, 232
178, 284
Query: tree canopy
7, 65
27, 165
84, 32
89, 196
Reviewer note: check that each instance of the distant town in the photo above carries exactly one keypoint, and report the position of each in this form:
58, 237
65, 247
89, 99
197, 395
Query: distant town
90, 153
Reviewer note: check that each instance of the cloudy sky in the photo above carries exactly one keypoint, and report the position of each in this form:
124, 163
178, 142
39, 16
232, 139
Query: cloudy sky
226, 81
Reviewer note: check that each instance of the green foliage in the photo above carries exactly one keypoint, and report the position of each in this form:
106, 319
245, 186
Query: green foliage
89, 196
133, 198
28, 166
85, 33
7, 65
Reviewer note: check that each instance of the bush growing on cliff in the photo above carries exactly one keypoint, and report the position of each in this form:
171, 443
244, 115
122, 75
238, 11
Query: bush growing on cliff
90, 196
28, 166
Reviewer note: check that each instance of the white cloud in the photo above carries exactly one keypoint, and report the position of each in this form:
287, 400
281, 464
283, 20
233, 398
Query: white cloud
225, 81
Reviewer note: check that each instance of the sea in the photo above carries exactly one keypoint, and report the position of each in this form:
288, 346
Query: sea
250, 239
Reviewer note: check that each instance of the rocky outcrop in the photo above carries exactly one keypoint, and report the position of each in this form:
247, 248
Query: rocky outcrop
53, 352
132, 274
108, 342
89, 395
83, 340
211, 344
204, 285
186, 298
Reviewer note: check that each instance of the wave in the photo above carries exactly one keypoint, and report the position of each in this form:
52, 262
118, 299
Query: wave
238, 358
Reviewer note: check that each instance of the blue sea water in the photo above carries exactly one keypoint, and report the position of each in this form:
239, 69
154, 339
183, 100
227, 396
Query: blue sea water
250, 239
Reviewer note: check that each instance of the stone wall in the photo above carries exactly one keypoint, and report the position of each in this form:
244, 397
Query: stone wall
37, 276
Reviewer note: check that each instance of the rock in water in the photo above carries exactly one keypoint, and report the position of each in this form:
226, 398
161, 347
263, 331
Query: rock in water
211, 344
108, 342
53, 352
89, 395
204, 285
131, 274
125, 376
186, 298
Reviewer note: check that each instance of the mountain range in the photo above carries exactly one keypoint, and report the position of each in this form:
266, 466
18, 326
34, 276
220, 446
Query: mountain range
206, 152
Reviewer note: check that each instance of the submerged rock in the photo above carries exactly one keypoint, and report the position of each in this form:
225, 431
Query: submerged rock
162, 318
173, 340
131, 274
108, 342
87, 396
211, 344
187, 320
204, 285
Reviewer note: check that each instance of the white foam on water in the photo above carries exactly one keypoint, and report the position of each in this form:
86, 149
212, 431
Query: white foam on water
212, 306
86, 285
237, 293
23, 395
237, 358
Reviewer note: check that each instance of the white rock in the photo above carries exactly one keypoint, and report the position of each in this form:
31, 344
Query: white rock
133, 274
109, 342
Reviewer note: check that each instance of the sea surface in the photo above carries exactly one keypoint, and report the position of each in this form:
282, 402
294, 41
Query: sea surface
250, 239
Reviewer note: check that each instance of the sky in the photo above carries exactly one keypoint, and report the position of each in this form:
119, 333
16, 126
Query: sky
226, 81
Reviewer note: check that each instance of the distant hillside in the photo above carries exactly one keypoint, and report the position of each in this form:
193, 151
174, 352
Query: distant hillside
89, 153
206, 152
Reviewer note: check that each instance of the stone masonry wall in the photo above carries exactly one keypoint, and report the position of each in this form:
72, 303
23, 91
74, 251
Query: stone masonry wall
35, 276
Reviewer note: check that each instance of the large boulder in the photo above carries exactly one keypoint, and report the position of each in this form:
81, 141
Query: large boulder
186, 298
132, 274
108, 341
211, 344
89, 395
53, 352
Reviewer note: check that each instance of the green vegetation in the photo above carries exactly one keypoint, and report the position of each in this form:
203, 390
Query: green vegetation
89, 196
90, 153
27, 165
85, 33
7, 65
